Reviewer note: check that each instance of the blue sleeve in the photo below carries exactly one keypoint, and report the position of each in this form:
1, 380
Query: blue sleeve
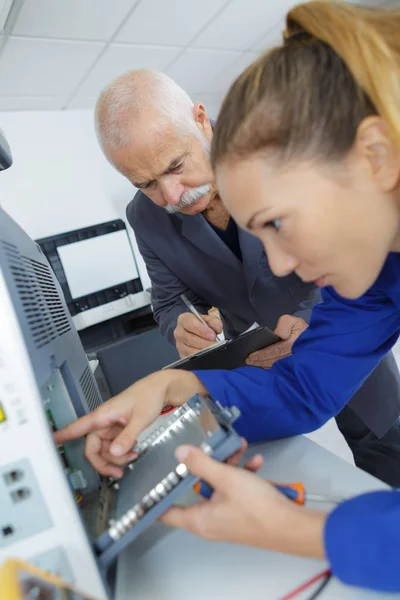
330, 361
362, 538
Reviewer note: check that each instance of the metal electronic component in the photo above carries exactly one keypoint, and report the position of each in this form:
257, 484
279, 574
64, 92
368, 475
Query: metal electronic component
155, 481
182, 470
173, 479
147, 502
167, 485
160, 489
154, 496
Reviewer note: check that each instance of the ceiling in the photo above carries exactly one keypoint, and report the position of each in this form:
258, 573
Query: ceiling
58, 54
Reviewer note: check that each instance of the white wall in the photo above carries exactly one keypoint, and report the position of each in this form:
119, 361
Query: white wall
60, 180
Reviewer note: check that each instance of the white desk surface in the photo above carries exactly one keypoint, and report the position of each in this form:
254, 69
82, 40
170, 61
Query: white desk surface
166, 564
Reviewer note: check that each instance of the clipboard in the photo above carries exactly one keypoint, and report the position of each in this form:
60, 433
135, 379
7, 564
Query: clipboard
228, 354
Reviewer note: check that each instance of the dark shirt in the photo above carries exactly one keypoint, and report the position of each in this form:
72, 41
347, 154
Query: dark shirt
230, 237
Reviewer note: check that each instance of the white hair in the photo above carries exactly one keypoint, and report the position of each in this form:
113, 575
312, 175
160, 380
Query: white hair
124, 99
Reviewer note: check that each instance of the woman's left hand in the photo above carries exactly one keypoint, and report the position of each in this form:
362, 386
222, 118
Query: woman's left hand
245, 509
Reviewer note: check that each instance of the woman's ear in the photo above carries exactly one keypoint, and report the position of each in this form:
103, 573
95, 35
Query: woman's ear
376, 146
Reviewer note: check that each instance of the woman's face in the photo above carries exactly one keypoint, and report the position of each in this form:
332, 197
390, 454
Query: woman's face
330, 224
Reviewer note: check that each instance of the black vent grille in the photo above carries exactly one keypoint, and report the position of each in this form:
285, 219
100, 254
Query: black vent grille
89, 389
44, 310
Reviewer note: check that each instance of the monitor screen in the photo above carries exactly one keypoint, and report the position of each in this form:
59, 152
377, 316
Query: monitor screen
98, 263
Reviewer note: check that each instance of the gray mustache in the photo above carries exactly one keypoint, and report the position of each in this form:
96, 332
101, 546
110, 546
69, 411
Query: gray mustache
188, 198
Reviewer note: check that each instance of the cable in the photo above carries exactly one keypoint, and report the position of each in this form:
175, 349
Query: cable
325, 575
321, 587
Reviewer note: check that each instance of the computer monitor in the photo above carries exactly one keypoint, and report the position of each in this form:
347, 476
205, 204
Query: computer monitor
97, 271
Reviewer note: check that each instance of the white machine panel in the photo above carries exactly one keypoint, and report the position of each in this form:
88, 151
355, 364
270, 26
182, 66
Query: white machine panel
38, 507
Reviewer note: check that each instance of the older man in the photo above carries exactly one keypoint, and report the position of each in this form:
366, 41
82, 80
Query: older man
150, 130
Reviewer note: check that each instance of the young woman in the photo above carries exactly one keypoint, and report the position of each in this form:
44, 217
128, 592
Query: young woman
310, 136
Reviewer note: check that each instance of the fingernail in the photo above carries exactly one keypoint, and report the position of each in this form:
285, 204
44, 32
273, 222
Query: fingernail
182, 453
116, 450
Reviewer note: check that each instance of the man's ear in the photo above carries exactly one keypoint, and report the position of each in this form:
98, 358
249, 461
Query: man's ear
375, 144
202, 121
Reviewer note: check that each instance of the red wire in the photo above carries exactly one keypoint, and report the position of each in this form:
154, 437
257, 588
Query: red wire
167, 409
304, 586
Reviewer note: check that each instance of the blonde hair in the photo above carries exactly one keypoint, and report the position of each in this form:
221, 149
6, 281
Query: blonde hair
338, 64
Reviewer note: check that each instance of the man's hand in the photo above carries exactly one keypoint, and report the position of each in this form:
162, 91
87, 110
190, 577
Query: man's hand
245, 509
112, 429
191, 335
288, 328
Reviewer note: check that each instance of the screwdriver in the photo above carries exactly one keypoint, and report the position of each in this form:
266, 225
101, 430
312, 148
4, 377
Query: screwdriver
293, 491
297, 493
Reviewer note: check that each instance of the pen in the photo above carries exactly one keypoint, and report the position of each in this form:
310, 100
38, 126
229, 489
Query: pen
196, 313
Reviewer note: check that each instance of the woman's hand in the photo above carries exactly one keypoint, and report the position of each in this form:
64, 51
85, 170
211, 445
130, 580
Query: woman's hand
112, 429
245, 509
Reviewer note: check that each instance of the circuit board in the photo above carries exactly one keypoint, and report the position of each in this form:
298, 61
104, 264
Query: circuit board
155, 481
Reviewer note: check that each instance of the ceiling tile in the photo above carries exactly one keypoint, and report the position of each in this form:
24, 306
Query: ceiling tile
272, 38
75, 19
119, 58
371, 2
275, 35
82, 102
224, 80
30, 67
195, 69
169, 23
14, 103
241, 24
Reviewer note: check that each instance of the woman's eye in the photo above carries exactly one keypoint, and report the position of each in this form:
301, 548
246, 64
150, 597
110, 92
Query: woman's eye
275, 224
178, 167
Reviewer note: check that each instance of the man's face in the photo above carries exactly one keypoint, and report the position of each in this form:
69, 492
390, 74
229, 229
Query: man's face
171, 168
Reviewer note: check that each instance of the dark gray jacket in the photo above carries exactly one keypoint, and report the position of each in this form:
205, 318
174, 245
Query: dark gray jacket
183, 254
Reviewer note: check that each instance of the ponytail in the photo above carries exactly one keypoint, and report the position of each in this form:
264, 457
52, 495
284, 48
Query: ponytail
339, 63
367, 40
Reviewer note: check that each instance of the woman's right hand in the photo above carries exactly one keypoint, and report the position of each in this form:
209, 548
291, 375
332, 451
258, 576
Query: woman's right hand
245, 509
112, 429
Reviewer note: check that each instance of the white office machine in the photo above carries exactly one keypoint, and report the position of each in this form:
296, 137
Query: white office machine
56, 513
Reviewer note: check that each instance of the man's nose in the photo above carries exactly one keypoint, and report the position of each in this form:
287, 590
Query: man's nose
172, 191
